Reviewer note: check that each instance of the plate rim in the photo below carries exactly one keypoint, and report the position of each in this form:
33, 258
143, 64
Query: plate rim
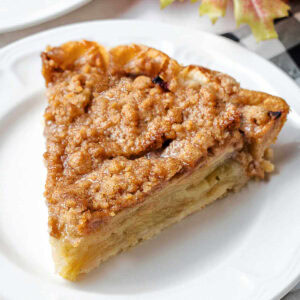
276, 293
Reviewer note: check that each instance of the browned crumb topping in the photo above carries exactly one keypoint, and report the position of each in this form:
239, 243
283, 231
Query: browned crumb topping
118, 127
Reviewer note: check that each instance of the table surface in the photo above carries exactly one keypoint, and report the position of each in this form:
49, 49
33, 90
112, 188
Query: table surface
184, 14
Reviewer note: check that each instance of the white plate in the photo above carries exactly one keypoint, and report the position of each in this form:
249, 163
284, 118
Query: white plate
246, 246
18, 14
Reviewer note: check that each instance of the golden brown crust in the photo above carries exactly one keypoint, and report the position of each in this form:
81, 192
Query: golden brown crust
120, 124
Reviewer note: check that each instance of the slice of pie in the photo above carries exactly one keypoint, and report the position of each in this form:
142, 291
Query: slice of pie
136, 142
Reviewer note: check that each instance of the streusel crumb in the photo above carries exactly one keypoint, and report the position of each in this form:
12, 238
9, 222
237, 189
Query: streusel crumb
120, 124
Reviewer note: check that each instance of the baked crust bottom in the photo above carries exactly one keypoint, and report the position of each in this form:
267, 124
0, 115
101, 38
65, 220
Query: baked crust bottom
172, 203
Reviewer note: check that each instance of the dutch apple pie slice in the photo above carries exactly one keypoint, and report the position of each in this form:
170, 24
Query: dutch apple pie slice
136, 142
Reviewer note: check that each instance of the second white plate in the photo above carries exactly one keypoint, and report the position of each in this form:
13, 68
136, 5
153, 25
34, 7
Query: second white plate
18, 14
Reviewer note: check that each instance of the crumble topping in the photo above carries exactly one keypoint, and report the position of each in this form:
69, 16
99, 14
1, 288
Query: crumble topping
116, 130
